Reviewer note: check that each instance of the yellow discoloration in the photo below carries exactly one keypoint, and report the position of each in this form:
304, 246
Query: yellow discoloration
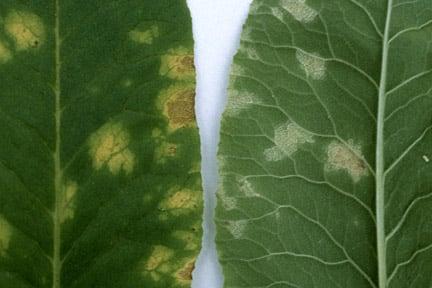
159, 262
69, 193
178, 64
184, 274
348, 158
109, 146
146, 36
178, 105
5, 53
5, 235
312, 64
183, 199
160, 255
189, 238
26, 29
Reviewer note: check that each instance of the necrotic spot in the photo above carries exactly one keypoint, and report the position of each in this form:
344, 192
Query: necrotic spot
313, 65
299, 10
178, 105
178, 64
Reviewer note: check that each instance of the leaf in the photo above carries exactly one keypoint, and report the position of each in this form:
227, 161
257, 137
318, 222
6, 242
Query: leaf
326, 146
99, 149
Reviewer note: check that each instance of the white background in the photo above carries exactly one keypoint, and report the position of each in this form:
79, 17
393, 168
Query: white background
217, 26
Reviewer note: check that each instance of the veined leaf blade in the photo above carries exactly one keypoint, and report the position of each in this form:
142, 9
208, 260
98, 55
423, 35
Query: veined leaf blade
99, 151
325, 147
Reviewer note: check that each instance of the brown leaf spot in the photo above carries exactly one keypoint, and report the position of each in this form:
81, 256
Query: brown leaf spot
184, 275
179, 105
178, 64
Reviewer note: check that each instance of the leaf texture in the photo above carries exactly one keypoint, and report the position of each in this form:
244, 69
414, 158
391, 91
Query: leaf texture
99, 149
326, 147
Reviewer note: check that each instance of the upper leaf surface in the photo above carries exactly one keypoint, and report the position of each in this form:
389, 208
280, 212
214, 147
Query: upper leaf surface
99, 150
321, 94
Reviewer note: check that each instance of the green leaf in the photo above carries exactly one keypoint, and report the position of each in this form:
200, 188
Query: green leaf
326, 147
99, 149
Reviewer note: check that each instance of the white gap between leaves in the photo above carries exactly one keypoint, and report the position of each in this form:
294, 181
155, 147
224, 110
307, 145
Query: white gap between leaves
217, 25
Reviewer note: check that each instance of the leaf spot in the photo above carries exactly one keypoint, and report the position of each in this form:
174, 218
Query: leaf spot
287, 137
181, 201
178, 64
229, 203
178, 105
27, 29
109, 147
426, 159
5, 235
341, 157
299, 10
237, 228
69, 193
240, 100
247, 189
5, 53
146, 36
313, 65
159, 255
184, 275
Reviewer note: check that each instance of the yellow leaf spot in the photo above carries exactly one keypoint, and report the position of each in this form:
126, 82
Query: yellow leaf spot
348, 158
5, 235
160, 254
178, 105
146, 36
69, 192
109, 146
26, 28
5, 53
178, 64
159, 262
183, 199
184, 274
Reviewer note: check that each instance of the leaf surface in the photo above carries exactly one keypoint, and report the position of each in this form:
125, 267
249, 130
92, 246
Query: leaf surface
99, 150
326, 147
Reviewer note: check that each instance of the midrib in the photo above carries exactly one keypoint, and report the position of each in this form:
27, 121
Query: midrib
380, 160
58, 177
